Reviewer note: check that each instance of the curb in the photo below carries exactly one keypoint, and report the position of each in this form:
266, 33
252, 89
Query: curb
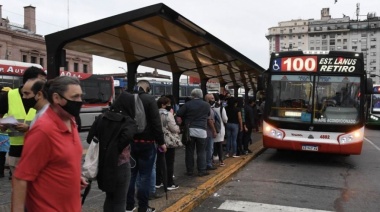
203, 191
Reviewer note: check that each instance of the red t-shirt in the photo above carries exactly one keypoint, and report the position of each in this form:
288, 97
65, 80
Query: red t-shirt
51, 163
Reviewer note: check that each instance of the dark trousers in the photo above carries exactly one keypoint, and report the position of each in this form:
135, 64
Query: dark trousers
247, 138
115, 201
239, 142
144, 154
218, 150
200, 145
169, 159
2, 163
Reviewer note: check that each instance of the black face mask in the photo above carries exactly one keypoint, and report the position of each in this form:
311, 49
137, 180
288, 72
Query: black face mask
29, 103
72, 107
168, 108
212, 103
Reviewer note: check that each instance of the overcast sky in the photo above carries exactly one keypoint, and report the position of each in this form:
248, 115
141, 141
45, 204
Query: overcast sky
242, 24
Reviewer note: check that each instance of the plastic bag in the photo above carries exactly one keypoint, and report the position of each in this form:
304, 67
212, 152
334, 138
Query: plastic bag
91, 160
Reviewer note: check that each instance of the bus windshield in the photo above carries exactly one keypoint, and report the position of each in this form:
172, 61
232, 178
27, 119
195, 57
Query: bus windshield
376, 103
330, 100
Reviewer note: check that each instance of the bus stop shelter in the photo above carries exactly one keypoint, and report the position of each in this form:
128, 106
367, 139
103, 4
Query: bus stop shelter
158, 37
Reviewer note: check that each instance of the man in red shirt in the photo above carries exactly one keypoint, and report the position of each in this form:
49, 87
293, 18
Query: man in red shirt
48, 176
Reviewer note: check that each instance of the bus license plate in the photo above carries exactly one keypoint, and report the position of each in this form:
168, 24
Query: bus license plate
310, 148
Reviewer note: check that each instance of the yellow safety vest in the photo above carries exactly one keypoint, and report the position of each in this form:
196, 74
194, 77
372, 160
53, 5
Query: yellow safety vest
16, 109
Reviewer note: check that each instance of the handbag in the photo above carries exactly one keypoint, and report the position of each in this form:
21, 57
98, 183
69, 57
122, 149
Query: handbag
91, 160
172, 140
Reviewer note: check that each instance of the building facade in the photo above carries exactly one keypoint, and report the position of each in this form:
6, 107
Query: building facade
21, 43
331, 34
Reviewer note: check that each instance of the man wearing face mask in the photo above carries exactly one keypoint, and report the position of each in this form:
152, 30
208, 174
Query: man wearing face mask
12, 104
48, 176
33, 90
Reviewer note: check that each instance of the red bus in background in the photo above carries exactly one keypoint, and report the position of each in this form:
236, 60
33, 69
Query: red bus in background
98, 90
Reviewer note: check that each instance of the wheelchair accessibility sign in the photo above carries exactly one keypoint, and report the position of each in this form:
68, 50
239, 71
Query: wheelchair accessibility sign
276, 65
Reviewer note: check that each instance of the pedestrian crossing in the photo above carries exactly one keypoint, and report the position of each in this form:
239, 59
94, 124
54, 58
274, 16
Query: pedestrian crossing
244, 206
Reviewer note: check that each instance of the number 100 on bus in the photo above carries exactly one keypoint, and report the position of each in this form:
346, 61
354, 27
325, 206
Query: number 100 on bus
295, 64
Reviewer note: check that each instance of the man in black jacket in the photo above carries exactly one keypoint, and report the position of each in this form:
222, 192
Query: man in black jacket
144, 150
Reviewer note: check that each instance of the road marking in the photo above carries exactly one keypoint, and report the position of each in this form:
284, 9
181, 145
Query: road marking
374, 145
244, 206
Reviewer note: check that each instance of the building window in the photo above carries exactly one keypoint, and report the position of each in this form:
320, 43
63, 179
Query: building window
75, 67
317, 41
332, 48
373, 39
332, 35
324, 42
66, 66
373, 46
324, 36
354, 48
373, 53
324, 48
33, 59
332, 42
338, 48
85, 68
42, 62
364, 34
338, 40
312, 41
24, 58
318, 48
290, 30
311, 48
344, 47
299, 36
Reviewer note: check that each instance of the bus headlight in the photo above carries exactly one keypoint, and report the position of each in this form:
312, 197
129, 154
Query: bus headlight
273, 132
354, 136
374, 118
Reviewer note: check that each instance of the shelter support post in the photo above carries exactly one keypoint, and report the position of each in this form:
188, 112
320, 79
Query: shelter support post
204, 85
131, 75
175, 85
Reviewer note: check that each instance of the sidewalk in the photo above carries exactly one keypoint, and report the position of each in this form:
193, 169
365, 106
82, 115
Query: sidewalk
191, 192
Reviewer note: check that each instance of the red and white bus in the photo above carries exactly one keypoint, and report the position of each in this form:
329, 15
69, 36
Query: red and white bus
315, 101
98, 90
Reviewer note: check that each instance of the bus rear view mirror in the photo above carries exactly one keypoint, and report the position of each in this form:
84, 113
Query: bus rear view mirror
369, 86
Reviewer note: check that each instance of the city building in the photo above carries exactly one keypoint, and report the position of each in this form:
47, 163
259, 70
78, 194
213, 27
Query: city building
20, 42
328, 33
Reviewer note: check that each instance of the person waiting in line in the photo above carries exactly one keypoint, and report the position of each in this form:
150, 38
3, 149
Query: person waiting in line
4, 144
233, 125
12, 104
211, 133
218, 141
33, 89
167, 121
249, 124
114, 130
144, 150
52, 182
195, 113
239, 140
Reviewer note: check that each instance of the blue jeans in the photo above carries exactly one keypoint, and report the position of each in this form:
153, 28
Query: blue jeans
209, 151
115, 201
152, 179
232, 133
199, 144
144, 154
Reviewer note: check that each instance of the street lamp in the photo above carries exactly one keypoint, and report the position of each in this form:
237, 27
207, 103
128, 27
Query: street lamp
126, 72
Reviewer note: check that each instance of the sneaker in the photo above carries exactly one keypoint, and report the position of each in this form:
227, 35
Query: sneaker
215, 158
159, 186
173, 187
130, 209
210, 168
221, 164
235, 156
149, 209
227, 155
201, 174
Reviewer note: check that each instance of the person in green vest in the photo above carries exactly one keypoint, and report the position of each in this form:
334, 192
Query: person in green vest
12, 104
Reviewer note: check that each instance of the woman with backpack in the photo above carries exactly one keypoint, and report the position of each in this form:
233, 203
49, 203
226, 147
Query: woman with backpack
218, 141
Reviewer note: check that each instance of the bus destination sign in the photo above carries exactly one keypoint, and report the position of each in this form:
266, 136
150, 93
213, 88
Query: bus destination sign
315, 64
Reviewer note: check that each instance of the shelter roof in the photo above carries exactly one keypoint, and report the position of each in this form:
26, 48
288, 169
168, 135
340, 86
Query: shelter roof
158, 37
